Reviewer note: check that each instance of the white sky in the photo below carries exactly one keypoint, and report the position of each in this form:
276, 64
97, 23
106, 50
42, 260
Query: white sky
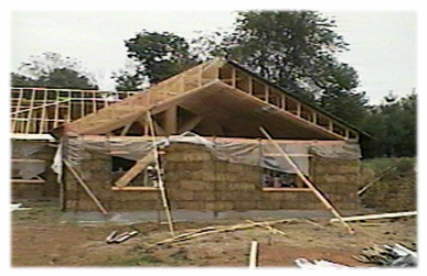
382, 44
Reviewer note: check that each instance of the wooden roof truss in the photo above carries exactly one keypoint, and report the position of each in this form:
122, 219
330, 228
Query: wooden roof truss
181, 103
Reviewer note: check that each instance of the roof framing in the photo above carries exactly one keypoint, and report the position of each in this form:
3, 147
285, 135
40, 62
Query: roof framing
218, 74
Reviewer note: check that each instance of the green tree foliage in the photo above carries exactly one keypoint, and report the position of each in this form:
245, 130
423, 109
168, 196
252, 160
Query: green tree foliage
157, 56
393, 127
51, 70
297, 51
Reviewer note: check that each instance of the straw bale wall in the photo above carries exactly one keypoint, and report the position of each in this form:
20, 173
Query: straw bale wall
196, 180
35, 150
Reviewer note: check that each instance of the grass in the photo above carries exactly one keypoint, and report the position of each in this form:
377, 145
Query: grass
378, 165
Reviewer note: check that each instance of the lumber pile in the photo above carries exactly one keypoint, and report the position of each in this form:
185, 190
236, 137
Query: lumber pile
386, 255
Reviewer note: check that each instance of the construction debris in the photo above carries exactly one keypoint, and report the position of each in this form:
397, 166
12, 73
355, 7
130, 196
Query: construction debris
377, 216
114, 238
17, 207
395, 256
218, 229
268, 227
304, 263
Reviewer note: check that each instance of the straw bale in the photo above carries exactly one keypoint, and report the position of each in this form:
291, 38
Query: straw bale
196, 185
287, 196
245, 205
204, 195
236, 186
219, 205
237, 195
189, 156
268, 204
189, 205
180, 194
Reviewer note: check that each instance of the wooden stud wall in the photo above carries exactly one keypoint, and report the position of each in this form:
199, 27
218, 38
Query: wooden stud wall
39, 110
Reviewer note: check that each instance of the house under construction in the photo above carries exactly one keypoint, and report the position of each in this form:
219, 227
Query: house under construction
211, 139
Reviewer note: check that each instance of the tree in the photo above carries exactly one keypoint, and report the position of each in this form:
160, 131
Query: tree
392, 125
157, 56
51, 70
297, 51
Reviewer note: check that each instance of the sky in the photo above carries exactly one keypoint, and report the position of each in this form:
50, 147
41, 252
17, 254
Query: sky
382, 44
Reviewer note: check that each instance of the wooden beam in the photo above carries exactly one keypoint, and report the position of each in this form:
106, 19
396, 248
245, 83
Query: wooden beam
266, 93
126, 129
318, 194
233, 76
170, 122
253, 254
378, 216
18, 108
314, 117
158, 128
28, 181
30, 112
86, 188
251, 87
190, 124
135, 170
135, 188
41, 130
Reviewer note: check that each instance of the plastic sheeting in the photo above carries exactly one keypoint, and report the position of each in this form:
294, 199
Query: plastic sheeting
254, 154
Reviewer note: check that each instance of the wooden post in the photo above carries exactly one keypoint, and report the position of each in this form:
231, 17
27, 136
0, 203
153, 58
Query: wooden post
18, 108
170, 122
251, 87
69, 107
159, 176
253, 254
283, 98
86, 188
266, 93
42, 120
319, 195
30, 111
233, 77
298, 109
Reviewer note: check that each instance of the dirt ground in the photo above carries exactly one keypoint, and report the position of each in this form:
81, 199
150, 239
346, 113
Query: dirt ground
41, 237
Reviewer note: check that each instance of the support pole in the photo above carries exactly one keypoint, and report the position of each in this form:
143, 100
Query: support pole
253, 254
159, 176
86, 188
319, 195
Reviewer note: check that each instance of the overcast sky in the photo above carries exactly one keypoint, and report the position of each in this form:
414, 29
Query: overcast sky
382, 44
